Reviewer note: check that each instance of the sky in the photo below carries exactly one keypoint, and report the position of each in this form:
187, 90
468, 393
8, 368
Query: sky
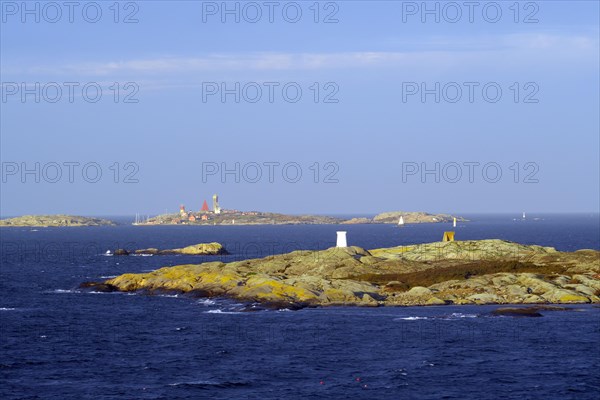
347, 107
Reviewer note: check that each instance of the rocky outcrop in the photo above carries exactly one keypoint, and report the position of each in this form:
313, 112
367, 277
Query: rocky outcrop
202, 249
469, 272
392, 217
54, 220
360, 220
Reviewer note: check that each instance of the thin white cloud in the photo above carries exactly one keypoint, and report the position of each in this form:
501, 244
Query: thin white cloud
437, 52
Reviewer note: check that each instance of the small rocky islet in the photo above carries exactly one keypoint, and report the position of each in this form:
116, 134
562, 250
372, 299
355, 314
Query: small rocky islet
202, 249
457, 272
58, 220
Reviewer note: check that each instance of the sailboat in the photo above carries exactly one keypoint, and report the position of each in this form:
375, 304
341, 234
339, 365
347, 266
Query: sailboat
454, 222
401, 221
523, 214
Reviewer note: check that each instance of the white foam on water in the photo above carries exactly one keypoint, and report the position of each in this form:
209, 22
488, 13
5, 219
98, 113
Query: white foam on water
461, 315
108, 276
191, 383
410, 318
207, 302
95, 292
7, 309
219, 311
63, 291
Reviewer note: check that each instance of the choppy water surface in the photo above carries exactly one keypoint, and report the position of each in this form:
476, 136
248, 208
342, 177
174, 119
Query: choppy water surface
58, 342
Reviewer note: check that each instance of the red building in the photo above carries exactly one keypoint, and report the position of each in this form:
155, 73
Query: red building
205, 207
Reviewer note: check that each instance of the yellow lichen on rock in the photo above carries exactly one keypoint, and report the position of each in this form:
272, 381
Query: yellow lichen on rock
461, 272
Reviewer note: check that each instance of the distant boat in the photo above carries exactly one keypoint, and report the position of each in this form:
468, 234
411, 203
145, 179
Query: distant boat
454, 222
401, 221
523, 214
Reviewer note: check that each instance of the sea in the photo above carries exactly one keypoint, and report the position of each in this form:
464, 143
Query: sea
60, 342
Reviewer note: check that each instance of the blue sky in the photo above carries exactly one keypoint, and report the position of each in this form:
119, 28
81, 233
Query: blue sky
370, 137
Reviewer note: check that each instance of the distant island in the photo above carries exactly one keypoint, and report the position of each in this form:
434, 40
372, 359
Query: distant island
54, 220
453, 272
414, 217
236, 217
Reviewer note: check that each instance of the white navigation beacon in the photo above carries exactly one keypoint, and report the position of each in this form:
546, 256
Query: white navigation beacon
341, 239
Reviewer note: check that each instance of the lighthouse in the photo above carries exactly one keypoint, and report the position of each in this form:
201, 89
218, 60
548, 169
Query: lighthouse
216, 207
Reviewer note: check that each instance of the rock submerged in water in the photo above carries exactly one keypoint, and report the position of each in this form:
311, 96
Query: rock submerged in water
526, 311
99, 287
469, 272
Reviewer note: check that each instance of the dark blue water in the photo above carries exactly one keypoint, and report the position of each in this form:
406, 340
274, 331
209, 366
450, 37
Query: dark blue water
58, 342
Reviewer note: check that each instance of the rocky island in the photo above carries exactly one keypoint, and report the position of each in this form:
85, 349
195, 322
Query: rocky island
411, 217
462, 272
202, 249
235, 217
232, 217
54, 220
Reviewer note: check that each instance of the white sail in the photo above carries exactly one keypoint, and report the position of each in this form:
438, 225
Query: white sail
454, 222
401, 221
523, 214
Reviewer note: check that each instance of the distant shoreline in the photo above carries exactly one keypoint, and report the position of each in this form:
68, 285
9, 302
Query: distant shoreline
235, 217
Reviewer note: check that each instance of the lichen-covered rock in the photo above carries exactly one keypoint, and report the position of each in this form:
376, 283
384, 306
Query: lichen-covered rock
419, 291
564, 296
198, 249
471, 272
434, 301
485, 298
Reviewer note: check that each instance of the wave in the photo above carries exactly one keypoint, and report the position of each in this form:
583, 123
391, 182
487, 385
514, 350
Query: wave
461, 315
410, 318
453, 316
111, 254
207, 302
7, 309
210, 384
62, 291
219, 311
